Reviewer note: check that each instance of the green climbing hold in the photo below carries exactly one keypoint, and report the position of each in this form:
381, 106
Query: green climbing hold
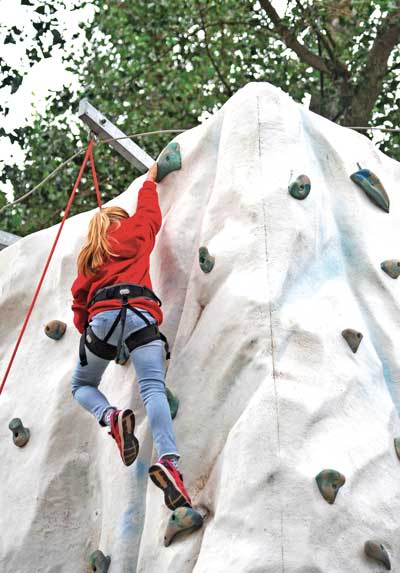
169, 160
55, 329
374, 189
21, 434
391, 268
397, 446
99, 562
300, 188
183, 519
329, 482
376, 551
353, 338
173, 402
206, 260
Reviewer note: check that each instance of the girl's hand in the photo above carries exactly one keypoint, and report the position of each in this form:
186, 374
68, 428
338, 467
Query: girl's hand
152, 173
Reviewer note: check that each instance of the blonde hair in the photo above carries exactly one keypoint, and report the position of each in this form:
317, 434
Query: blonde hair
97, 248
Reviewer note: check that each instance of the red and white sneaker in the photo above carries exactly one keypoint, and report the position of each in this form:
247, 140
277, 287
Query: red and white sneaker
165, 475
122, 430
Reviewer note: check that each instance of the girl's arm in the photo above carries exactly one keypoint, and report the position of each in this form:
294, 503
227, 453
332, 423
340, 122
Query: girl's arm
147, 218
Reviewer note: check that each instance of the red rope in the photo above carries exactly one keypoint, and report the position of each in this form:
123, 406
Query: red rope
88, 154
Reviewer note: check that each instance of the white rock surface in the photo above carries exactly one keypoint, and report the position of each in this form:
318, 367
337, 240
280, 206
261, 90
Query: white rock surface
270, 392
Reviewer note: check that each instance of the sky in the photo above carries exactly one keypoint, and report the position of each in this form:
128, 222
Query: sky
47, 76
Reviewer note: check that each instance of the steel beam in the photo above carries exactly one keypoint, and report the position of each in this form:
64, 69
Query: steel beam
7, 239
104, 129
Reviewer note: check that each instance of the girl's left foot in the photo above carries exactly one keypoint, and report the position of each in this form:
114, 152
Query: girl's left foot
122, 430
165, 475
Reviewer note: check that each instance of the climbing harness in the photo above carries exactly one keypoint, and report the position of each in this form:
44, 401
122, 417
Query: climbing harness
101, 347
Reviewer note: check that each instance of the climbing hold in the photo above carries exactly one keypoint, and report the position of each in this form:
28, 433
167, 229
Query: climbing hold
124, 355
397, 446
377, 551
353, 338
183, 519
206, 260
169, 160
55, 329
21, 434
173, 402
99, 562
370, 183
300, 188
329, 482
391, 268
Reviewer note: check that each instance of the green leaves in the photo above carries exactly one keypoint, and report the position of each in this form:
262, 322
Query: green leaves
171, 61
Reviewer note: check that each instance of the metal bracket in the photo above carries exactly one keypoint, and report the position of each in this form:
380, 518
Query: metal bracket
7, 239
104, 129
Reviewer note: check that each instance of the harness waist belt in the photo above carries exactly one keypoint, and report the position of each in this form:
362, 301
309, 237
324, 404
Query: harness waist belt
122, 290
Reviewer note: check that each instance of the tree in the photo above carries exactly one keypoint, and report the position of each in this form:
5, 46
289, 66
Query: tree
161, 65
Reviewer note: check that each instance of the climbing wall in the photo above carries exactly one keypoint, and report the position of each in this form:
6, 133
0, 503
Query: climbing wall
271, 393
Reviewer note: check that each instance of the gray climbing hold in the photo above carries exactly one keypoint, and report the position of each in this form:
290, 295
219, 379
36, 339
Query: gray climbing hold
329, 482
99, 562
173, 402
353, 338
391, 268
183, 519
376, 551
206, 261
21, 434
169, 160
300, 188
55, 329
123, 357
373, 188
397, 446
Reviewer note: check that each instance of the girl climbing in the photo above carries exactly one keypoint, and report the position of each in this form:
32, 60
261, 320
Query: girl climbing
115, 309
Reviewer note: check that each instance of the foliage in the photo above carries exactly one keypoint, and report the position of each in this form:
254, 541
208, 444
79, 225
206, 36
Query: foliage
160, 65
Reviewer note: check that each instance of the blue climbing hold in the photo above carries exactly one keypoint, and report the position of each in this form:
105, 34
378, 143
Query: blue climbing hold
99, 562
173, 403
169, 160
391, 268
377, 551
183, 519
206, 261
21, 434
300, 188
373, 188
55, 329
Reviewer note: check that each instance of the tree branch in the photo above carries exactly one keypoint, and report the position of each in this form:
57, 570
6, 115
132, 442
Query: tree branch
321, 38
228, 89
291, 41
372, 76
394, 67
387, 36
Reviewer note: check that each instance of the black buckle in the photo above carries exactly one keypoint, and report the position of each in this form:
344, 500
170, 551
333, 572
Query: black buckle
124, 292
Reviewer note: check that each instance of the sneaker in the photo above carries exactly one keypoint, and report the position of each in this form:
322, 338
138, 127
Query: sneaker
122, 428
165, 475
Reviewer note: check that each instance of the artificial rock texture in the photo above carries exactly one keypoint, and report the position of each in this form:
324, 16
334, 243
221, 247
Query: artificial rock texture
270, 393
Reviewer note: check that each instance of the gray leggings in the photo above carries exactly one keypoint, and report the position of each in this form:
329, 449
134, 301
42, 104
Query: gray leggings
148, 362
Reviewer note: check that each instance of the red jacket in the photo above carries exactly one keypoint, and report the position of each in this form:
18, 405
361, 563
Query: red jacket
133, 241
